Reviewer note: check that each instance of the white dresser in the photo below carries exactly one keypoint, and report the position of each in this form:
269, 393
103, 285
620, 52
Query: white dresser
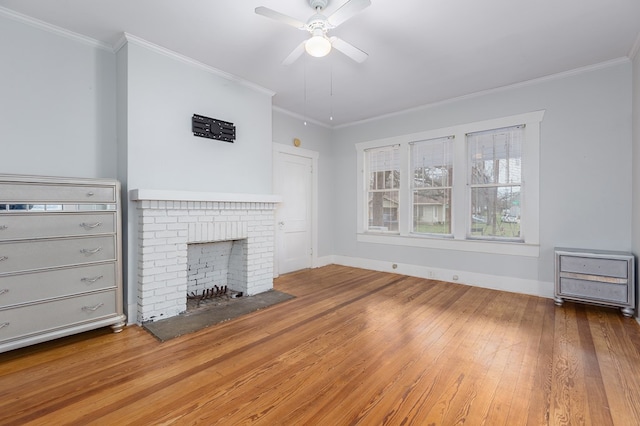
596, 276
60, 258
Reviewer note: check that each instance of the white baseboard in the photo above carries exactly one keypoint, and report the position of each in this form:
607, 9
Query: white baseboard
495, 282
324, 261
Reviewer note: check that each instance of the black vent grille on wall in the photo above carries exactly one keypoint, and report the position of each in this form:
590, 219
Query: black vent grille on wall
211, 128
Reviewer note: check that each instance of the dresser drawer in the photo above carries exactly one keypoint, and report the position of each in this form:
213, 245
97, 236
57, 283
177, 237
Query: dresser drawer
594, 266
36, 225
43, 317
21, 256
31, 287
600, 291
56, 193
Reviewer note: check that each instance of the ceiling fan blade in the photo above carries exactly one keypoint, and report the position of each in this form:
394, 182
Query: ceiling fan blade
349, 49
270, 13
347, 10
297, 52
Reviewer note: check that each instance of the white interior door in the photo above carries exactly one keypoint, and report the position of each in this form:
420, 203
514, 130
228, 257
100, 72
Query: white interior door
294, 214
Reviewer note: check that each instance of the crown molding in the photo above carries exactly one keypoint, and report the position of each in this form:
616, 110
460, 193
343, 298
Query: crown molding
45, 26
535, 81
129, 38
301, 117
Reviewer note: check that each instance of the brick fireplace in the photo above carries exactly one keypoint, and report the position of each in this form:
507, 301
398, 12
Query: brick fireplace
170, 221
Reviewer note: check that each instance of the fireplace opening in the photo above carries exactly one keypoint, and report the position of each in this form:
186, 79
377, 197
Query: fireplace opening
216, 272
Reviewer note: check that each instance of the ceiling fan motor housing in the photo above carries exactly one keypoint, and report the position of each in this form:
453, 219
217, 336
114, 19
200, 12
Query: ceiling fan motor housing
318, 4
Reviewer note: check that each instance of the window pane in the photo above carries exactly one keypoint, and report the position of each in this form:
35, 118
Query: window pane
431, 211
495, 211
383, 166
383, 173
495, 156
431, 163
383, 211
432, 172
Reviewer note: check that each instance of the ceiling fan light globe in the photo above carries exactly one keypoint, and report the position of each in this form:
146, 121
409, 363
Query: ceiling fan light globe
318, 46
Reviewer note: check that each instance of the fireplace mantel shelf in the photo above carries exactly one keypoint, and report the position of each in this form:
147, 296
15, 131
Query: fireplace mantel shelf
172, 195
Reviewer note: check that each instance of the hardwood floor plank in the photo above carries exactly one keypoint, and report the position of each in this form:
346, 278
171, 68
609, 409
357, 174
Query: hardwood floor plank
353, 347
529, 404
568, 388
596, 393
539, 412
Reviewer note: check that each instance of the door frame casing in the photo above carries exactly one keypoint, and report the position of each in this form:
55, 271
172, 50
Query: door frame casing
279, 149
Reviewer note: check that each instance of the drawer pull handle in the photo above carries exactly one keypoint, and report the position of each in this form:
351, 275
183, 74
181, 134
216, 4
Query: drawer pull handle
4, 324
90, 225
89, 252
3, 291
91, 280
3, 227
92, 308
90, 194
3, 258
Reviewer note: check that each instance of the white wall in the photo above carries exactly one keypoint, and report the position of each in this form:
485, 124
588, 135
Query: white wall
162, 153
57, 103
585, 173
636, 161
160, 91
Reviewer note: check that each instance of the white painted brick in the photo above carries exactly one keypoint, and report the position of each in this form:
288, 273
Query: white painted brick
166, 276
165, 248
175, 223
165, 263
153, 256
166, 305
166, 234
163, 292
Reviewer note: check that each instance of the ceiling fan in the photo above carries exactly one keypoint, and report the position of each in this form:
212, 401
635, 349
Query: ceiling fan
317, 25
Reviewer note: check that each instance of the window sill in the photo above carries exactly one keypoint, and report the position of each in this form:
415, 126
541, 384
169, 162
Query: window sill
479, 246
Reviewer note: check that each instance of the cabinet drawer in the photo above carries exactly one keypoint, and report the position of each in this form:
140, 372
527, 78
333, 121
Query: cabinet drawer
31, 287
34, 225
31, 255
594, 266
596, 290
43, 317
56, 193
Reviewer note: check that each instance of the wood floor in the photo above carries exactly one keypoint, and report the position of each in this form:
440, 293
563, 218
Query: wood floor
354, 347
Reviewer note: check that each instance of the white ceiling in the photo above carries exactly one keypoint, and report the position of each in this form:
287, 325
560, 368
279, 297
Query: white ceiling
420, 51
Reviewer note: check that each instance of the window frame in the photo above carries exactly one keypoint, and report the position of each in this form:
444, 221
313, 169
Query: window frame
529, 243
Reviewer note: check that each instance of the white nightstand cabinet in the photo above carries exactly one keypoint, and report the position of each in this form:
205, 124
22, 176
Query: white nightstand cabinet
595, 276
60, 258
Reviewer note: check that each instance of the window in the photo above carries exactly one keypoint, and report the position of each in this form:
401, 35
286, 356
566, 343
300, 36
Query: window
431, 184
383, 170
495, 182
472, 187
